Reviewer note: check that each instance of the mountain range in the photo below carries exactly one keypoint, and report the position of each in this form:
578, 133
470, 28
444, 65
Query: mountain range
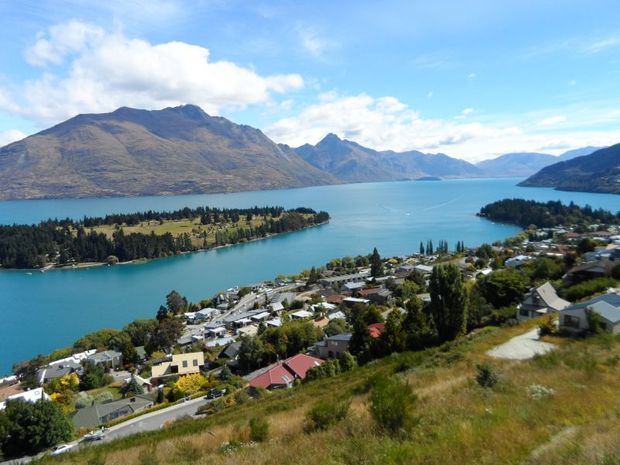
597, 172
183, 150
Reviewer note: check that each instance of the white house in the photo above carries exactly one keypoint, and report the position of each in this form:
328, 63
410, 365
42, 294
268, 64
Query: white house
32, 396
574, 319
540, 301
517, 261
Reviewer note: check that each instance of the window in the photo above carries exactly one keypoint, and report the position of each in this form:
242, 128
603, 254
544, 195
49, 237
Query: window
195, 362
524, 312
571, 321
184, 363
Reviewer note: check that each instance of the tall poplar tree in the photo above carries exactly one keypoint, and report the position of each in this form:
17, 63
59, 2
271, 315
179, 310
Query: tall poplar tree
448, 301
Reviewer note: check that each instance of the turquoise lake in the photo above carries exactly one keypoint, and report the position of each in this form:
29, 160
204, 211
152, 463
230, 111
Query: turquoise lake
44, 311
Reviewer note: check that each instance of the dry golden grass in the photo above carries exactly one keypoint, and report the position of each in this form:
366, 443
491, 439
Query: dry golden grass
457, 420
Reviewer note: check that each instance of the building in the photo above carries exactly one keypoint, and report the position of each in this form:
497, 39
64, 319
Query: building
376, 329
107, 358
32, 396
376, 295
283, 374
345, 278
100, 414
181, 364
58, 370
351, 301
333, 346
540, 301
517, 261
574, 319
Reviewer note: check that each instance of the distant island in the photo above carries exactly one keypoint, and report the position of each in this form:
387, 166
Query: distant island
545, 214
429, 178
597, 172
147, 235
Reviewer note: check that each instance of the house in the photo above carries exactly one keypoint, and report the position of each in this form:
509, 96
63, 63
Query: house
100, 414
58, 370
32, 396
540, 301
345, 278
424, 269
262, 316
274, 322
301, 314
354, 286
144, 383
574, 319
519, 260
351, 301
333, 346
283, 374
590, 270
107, 358
219, 342
275, 307
376, 295
231, 351
335, 299
337, 316
206, 314
376, 329
250, 330
181, 364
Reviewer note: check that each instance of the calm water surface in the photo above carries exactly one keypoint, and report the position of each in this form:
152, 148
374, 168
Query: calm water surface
42, 311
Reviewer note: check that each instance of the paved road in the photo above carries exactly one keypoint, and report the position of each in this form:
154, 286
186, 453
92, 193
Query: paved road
148, 422
522, 347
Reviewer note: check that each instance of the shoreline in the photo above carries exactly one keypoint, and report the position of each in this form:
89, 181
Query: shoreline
141, 261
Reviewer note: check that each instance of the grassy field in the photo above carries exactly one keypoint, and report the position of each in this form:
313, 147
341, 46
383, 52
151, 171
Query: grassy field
197, 231
457, 421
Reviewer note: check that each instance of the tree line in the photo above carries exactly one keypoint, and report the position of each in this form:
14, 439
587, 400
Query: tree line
545, 215
68, 241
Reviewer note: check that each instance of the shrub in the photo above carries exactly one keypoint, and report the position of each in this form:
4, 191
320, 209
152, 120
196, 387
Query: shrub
547, 327
259, 429
326, 413
486, 376
587, 288
391, 406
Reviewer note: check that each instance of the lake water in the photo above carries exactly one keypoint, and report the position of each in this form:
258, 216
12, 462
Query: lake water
43, 311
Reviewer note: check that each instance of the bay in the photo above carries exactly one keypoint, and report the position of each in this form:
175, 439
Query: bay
43, 311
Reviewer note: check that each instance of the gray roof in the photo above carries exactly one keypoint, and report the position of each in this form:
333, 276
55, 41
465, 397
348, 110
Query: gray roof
346, 277
242, 315
231, 351
607, 311
339, 337
105, 356
611, 299
550, 298
94, 415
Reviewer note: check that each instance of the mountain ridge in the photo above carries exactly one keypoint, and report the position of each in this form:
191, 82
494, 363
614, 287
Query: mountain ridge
597, 172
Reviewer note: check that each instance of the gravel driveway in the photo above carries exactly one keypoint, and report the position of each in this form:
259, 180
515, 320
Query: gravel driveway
522, 347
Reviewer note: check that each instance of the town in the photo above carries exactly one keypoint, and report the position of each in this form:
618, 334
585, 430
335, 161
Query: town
199, 358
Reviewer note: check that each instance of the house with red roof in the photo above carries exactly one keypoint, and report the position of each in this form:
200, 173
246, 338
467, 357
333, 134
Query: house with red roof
376, 329
283, 374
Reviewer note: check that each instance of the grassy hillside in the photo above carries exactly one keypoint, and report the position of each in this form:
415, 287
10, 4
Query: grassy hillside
457, 421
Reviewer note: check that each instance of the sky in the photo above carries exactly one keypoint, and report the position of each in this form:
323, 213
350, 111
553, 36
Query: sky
469, 78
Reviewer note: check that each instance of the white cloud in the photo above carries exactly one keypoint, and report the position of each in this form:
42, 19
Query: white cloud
87, 69
385, 123
11, 135
472, 76
314, 44
552, 120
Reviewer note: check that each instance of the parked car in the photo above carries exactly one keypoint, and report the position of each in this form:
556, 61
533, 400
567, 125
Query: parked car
96, 435
215, 393
62, 448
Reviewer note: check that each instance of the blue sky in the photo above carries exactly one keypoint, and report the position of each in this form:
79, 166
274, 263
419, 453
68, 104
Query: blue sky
472, 79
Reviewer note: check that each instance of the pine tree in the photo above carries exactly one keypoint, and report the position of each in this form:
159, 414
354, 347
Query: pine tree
422, 248
376, 265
